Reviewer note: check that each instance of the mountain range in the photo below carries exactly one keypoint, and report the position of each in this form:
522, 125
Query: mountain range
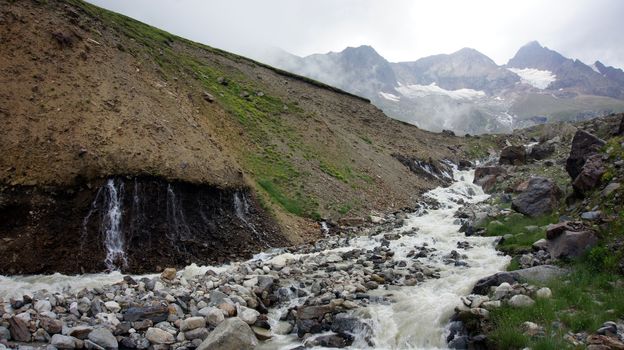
466, 91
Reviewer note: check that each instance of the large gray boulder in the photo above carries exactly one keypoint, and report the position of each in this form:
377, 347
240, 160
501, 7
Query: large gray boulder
231, 334
104, 338
584, 145
540, 197
571, 244
541, 273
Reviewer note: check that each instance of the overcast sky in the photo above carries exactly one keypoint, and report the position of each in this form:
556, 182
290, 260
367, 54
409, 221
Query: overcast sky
400, 30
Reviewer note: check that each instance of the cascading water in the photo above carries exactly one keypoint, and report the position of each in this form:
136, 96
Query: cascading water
241, 208
417, 316
111, 226
400, 317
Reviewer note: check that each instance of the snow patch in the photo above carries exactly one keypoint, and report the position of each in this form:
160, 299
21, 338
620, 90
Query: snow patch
593, 66
535, 77
388, 96
415, 90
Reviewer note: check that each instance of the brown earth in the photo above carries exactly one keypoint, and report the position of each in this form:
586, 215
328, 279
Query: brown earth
86, 94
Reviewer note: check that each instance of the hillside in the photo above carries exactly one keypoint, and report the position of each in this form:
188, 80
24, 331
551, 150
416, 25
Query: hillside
88, 95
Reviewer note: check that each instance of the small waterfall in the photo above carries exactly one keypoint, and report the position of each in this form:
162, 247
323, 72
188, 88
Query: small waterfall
241, 208
111, 226
324, 228
176, 220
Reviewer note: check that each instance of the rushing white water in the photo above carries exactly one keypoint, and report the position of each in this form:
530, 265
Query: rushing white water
111, 225
417, 316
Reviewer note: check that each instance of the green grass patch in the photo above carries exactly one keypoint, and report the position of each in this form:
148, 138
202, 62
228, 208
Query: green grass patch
582, 301
516, 225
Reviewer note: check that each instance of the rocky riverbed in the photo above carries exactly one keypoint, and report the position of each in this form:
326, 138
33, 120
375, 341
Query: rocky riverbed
393, 284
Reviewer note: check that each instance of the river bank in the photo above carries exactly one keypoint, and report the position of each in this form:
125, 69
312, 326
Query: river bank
395, 285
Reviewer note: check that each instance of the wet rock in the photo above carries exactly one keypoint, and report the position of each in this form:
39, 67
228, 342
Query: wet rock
482, 287
159, 336
541, 197
262, 333
104, 338
590, 175
520, 300
331, 341
63, 342
513, 155
584, 145
248, 315
608, 328
231, 334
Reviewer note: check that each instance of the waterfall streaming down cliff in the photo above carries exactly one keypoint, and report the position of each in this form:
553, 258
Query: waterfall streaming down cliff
241, 208
111, 226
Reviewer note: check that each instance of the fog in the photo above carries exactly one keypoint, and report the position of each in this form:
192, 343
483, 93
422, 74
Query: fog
400, 30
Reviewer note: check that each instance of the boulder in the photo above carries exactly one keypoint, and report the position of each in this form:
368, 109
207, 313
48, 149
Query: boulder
43, 306
543, 293
192, 323
19, 329
541, 197
487, 176
169, 274
590, 175
159, 336
331, 341
513, 155
63, 342
521, 300
542, 151
482, 287
104, 338
231, 334
154, 313
262, 333
584, 145
52, 326
571, 244
541, 273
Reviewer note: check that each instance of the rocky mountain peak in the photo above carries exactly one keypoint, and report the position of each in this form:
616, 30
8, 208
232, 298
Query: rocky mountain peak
534, 55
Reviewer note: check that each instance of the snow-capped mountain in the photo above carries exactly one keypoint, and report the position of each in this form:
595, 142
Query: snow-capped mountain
466, 91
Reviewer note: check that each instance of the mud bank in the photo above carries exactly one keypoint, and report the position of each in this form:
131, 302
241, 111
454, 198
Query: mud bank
135, 224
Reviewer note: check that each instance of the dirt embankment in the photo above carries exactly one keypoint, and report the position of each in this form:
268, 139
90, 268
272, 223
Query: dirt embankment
86, 94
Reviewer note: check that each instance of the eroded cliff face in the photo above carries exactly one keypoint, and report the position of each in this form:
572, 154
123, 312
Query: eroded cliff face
133, 224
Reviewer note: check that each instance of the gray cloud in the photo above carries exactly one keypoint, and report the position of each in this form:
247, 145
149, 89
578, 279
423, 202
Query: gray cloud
400, 30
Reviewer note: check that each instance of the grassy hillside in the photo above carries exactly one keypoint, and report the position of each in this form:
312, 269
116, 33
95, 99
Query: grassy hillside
87, 93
